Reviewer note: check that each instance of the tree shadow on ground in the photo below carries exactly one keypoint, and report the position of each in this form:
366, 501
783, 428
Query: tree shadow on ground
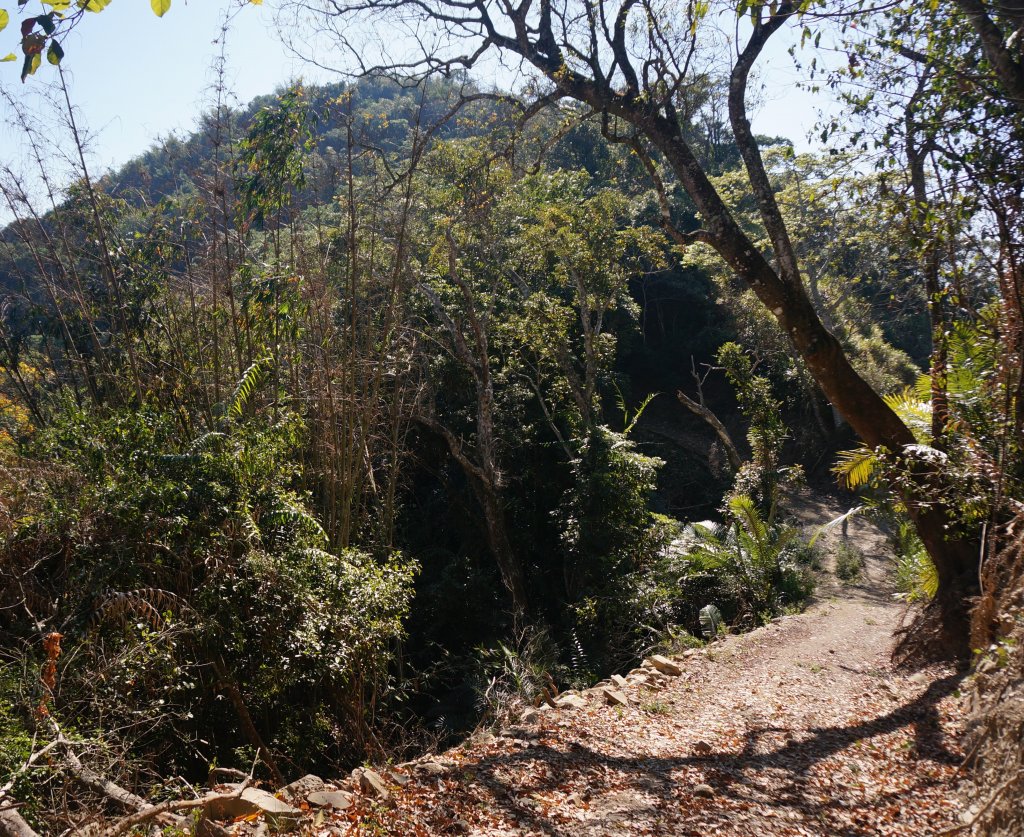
541, 769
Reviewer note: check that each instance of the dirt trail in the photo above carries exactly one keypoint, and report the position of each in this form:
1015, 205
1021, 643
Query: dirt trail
799, 728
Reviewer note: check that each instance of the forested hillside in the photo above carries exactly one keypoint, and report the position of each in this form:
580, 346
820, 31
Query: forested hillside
370, 412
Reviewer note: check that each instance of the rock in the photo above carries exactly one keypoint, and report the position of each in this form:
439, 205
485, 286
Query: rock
338, 800
664, 665
279, 815
399, 778
614, 697
530, 716
619, 681
689, 652
571, 702
372, 784
431, 768
301, 788
704, 791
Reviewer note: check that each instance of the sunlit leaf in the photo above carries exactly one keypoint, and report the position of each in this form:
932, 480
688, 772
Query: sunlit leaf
160, 7
5, 18
9, 57
54, 53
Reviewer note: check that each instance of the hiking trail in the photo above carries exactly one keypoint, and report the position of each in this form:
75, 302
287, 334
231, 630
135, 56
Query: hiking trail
802, 727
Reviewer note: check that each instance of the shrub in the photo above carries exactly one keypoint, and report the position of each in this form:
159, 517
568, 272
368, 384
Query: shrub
746, 566
849, 562
916, 579
617, 607
186, 571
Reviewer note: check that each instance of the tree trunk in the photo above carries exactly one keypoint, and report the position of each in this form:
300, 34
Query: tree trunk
925, 241
1007, 68
501, 548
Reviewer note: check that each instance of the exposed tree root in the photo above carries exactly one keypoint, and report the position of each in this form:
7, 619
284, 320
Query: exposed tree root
937, 633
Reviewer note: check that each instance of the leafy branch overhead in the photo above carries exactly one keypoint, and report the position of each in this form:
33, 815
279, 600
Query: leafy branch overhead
44, 34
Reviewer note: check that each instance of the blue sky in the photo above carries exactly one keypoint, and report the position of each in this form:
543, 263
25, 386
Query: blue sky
136, 77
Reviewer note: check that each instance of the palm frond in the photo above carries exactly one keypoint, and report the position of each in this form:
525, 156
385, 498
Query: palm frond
855, 467
914, 411
837, 521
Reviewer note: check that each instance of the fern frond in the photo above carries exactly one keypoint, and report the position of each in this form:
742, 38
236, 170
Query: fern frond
207, 440
923, 387
250, 528
291, 515
249, 383
710, 621
914, 411
639, 412
745, 511
148, 604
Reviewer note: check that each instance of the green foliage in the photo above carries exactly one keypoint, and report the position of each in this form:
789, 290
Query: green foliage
504, 675
916, 579
247, 385
750, 563
270, 165
976, 395
849, 562
611, 541
762, 478
226, 579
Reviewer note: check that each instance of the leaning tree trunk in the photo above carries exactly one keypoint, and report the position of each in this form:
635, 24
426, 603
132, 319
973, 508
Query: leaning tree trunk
781, 290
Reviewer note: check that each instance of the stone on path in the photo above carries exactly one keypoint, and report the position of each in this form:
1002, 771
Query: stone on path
279, 815
664, 665
372, 784
614, 697
298, 790
338, 800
